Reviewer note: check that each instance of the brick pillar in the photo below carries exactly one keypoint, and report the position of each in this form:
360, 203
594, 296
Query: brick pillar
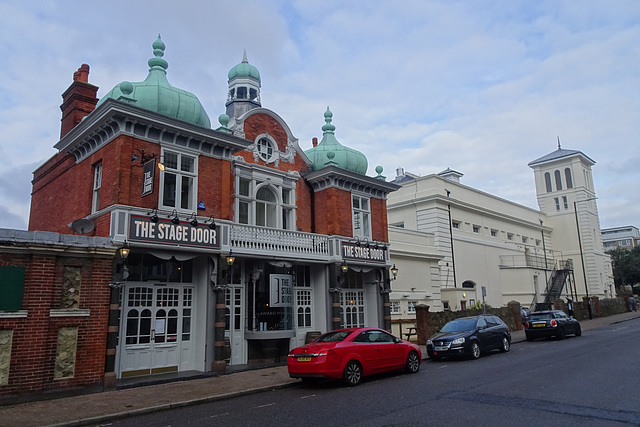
386, 305
112, 338
422, 323
514, 307
219, 364
335, 283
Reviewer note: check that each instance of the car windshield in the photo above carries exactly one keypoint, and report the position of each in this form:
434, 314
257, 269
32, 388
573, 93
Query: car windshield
459, 325
334, 336
541, 316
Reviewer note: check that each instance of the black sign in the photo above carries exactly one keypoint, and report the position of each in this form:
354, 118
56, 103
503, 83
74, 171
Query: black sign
362, 252
141, 229
148, 176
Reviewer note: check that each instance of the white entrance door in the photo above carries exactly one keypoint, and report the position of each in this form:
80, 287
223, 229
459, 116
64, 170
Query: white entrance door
156, 325
235, 325
303, 314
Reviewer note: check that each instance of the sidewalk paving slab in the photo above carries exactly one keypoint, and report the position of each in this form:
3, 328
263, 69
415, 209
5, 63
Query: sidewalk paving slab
106, 406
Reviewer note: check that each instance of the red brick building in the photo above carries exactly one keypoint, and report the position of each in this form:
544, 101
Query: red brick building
241, 242
54, 308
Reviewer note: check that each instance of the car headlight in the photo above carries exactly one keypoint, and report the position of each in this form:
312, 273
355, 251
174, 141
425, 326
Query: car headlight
458, 341
429, 342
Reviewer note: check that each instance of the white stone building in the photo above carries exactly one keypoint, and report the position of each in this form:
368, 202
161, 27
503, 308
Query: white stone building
450, 241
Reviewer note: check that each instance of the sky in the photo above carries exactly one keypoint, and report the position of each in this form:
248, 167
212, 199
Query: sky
482, 87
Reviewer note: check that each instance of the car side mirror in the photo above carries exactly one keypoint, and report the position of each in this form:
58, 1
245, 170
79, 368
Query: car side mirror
397, 340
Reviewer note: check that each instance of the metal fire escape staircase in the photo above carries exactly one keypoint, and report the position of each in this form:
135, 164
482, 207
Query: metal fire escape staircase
555, 286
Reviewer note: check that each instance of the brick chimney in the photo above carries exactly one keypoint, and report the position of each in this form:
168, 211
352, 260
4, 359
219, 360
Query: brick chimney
78, 100
314, 141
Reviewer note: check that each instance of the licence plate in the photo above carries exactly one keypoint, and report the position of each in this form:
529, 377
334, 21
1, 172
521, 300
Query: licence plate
304, 359
539, 325
442, 348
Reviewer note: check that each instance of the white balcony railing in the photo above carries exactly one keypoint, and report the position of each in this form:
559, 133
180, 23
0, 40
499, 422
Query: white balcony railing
245, 238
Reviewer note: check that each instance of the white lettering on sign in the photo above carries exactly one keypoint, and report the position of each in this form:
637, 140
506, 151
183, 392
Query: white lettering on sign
362, 252
166, 232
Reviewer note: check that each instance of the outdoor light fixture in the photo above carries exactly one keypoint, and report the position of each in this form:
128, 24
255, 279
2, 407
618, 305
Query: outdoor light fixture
213, 223
175, 219
143, 157
154, 217
124, 251
194, 221
394, 271
230, 259
161, 163
344, 267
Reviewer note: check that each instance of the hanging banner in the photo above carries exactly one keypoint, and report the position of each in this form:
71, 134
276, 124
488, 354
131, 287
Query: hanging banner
281, 287
148, 177
142, 229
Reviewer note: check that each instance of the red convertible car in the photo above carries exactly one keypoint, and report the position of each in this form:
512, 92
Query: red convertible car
351, 354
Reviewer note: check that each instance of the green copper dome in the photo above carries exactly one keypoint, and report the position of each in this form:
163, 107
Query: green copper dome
156, 94
244, 69
329, 152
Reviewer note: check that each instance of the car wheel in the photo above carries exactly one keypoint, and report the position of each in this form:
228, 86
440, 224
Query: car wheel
561, 334
506, 345
413, 363
352, 373
578, 331
475, 350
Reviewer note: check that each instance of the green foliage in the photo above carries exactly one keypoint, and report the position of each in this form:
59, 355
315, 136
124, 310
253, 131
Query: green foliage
626, 266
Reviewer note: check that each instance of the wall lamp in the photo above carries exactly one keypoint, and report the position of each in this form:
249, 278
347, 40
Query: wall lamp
194, 221
175, 219
394, 271
344, 267
230, 259
154, 216
124, 251
213, 223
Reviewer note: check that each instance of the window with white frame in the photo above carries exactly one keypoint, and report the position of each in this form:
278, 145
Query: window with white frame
361, 216
494, 233
476, 229
557, 200
411, 307
395, 307
97, 184
178, 181
565, 202
455, 224
266, 202
266, 148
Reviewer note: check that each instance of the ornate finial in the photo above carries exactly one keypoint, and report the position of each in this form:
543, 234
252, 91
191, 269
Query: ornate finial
158, 52
559, 147
244, 57
328, 117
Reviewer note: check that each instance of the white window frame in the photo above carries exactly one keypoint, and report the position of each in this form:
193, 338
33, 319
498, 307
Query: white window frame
395, 307
361, 217
411, 307
277, 185
180, 174
266, 148
97, 184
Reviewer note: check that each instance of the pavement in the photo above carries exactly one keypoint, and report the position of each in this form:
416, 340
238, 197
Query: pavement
96, 408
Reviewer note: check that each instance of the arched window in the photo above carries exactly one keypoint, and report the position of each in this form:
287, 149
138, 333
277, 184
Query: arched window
558, 180
567, 178
547, 182
266, 206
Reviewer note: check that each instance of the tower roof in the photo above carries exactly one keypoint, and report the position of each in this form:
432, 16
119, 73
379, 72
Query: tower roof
329, 152
156, 94
244, 69
559, 154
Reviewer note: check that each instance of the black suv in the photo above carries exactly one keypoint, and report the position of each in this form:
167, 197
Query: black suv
470, 336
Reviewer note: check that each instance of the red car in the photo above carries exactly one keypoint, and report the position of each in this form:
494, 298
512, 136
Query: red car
351, 354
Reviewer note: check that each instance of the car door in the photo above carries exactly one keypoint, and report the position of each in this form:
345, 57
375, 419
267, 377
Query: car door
483, 333
364, 347
389, 354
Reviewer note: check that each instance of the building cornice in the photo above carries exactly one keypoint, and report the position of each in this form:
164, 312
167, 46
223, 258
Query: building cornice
335, 177
114, 118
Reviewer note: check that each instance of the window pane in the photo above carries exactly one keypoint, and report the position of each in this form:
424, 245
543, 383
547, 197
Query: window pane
186, 194
169, 191
260, 214
187, 164
170, 160
243, 214
266, 194
244, 187
271, 216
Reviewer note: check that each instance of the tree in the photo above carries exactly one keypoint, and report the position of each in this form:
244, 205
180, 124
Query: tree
626, 266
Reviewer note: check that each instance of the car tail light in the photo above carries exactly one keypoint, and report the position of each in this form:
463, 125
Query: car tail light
526, 324
554, 323
324, 352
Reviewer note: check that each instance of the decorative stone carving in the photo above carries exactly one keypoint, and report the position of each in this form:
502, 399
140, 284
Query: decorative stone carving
71, 280
6, 339
66, 353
